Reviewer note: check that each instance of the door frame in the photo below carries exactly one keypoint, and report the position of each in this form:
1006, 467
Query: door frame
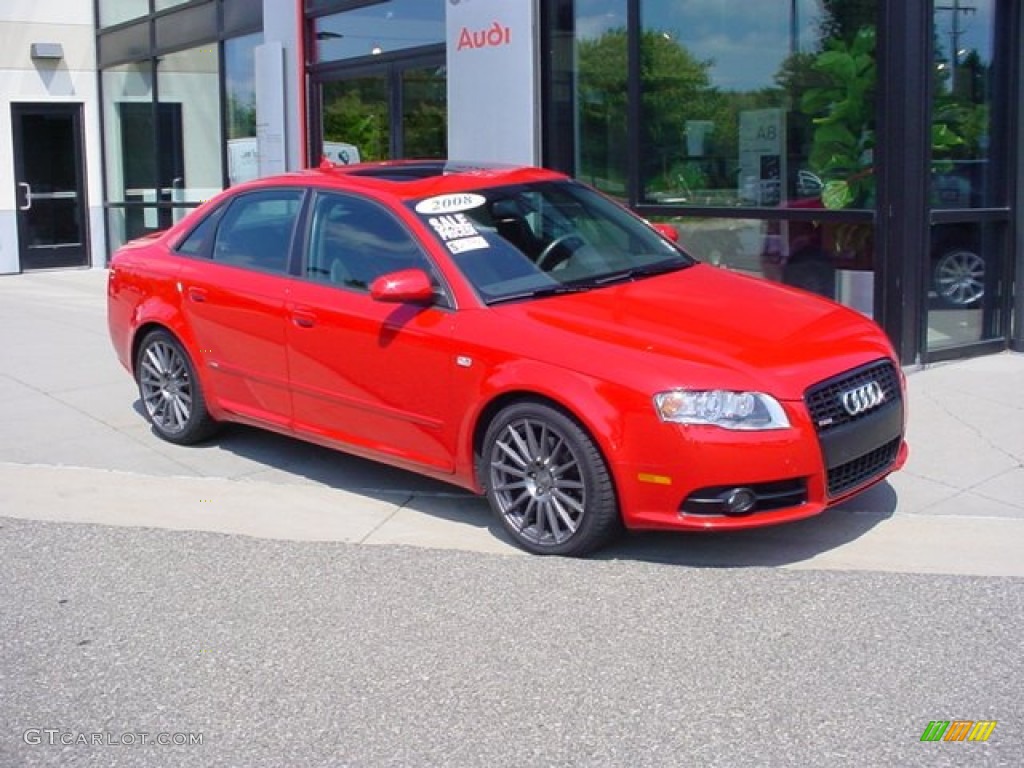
391, 68
74, 110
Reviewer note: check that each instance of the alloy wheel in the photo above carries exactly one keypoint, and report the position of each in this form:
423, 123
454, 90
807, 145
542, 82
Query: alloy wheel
960, 277
538, 482
165, 385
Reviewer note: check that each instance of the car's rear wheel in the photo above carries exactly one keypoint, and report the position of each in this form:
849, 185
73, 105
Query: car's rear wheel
170, 391
959, 277
548, 483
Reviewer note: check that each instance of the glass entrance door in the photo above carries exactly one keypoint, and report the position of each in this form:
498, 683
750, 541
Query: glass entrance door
50, 192
966, 291
385, 112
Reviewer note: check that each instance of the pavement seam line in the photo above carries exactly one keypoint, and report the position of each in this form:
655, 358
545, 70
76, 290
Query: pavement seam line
398, 508
1017, 463
99, 421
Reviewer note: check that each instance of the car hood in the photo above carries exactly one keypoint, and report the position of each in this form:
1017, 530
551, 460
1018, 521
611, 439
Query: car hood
699, 327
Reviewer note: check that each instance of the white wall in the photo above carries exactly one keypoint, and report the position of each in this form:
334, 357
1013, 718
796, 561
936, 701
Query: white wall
71, 79
281, 25
493, 87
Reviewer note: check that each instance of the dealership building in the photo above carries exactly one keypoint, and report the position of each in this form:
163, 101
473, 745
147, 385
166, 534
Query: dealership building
863, 149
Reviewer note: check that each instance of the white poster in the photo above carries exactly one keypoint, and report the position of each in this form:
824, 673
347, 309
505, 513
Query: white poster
270, 109
493, 97
762, 156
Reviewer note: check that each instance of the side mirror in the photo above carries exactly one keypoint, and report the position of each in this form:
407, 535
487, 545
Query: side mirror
407, 286
667, 231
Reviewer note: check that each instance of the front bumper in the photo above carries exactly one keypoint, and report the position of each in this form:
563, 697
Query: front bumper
826, 457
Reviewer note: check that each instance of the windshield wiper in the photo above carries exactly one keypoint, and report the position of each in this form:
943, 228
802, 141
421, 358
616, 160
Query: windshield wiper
659, 268
539, 293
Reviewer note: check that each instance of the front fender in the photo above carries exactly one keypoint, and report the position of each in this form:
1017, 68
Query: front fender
603, 409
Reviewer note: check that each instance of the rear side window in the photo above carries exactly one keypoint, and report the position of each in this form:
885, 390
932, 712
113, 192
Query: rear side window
256, 230
199, 239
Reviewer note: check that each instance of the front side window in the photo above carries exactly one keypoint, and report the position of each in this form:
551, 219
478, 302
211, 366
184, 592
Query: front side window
355, 241
256, 230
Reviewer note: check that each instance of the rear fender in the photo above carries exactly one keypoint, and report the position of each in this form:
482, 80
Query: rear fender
157, 312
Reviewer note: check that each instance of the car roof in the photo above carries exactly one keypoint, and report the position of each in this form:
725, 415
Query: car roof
413, 179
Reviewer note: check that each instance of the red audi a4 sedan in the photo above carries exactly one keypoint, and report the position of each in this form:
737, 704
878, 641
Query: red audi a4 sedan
513, 332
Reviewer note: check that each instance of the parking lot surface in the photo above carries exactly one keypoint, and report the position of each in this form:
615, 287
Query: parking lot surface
296, 606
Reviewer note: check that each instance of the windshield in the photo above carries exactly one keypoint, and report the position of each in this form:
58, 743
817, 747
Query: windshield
531, 240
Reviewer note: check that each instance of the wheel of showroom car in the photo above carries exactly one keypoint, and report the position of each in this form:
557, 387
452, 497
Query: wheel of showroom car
170, 391
548, 483
959, 277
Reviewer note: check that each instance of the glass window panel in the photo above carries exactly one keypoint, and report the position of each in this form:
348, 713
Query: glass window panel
240, 110
730, 95
376, 29
832, 259
600, 32
962, 176
242, 16
118, 11
165, 4
129, 133
356, 114
128, 44
425, 112
963, 301
322, 5
186, 27
189, 168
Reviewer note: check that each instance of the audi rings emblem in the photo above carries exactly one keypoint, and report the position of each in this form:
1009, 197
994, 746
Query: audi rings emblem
863, 398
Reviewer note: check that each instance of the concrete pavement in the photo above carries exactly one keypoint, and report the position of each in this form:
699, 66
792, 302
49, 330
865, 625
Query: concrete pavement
75, 448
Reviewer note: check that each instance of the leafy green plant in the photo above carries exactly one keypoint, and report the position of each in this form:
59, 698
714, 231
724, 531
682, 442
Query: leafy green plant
842, 109
842, 112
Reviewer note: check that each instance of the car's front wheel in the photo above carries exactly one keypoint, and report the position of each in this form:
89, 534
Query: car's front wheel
170, 391
548, 483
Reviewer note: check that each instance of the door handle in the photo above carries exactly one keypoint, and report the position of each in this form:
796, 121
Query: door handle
303, 319
28, 197
197, 295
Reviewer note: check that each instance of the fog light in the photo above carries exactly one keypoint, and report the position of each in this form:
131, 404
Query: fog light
739, 501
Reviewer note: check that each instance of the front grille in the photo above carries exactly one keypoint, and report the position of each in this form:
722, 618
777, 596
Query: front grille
863, 468
824, 400
778, 495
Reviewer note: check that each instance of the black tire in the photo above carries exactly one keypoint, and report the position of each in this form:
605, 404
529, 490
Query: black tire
169, 389
547, 482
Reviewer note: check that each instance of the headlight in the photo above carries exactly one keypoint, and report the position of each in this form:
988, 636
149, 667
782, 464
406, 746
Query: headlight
721, 408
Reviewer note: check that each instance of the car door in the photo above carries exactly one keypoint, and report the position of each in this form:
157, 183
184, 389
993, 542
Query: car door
371, 375
233, 300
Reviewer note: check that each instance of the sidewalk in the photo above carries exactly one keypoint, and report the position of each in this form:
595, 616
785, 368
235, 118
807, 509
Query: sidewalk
74, 448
